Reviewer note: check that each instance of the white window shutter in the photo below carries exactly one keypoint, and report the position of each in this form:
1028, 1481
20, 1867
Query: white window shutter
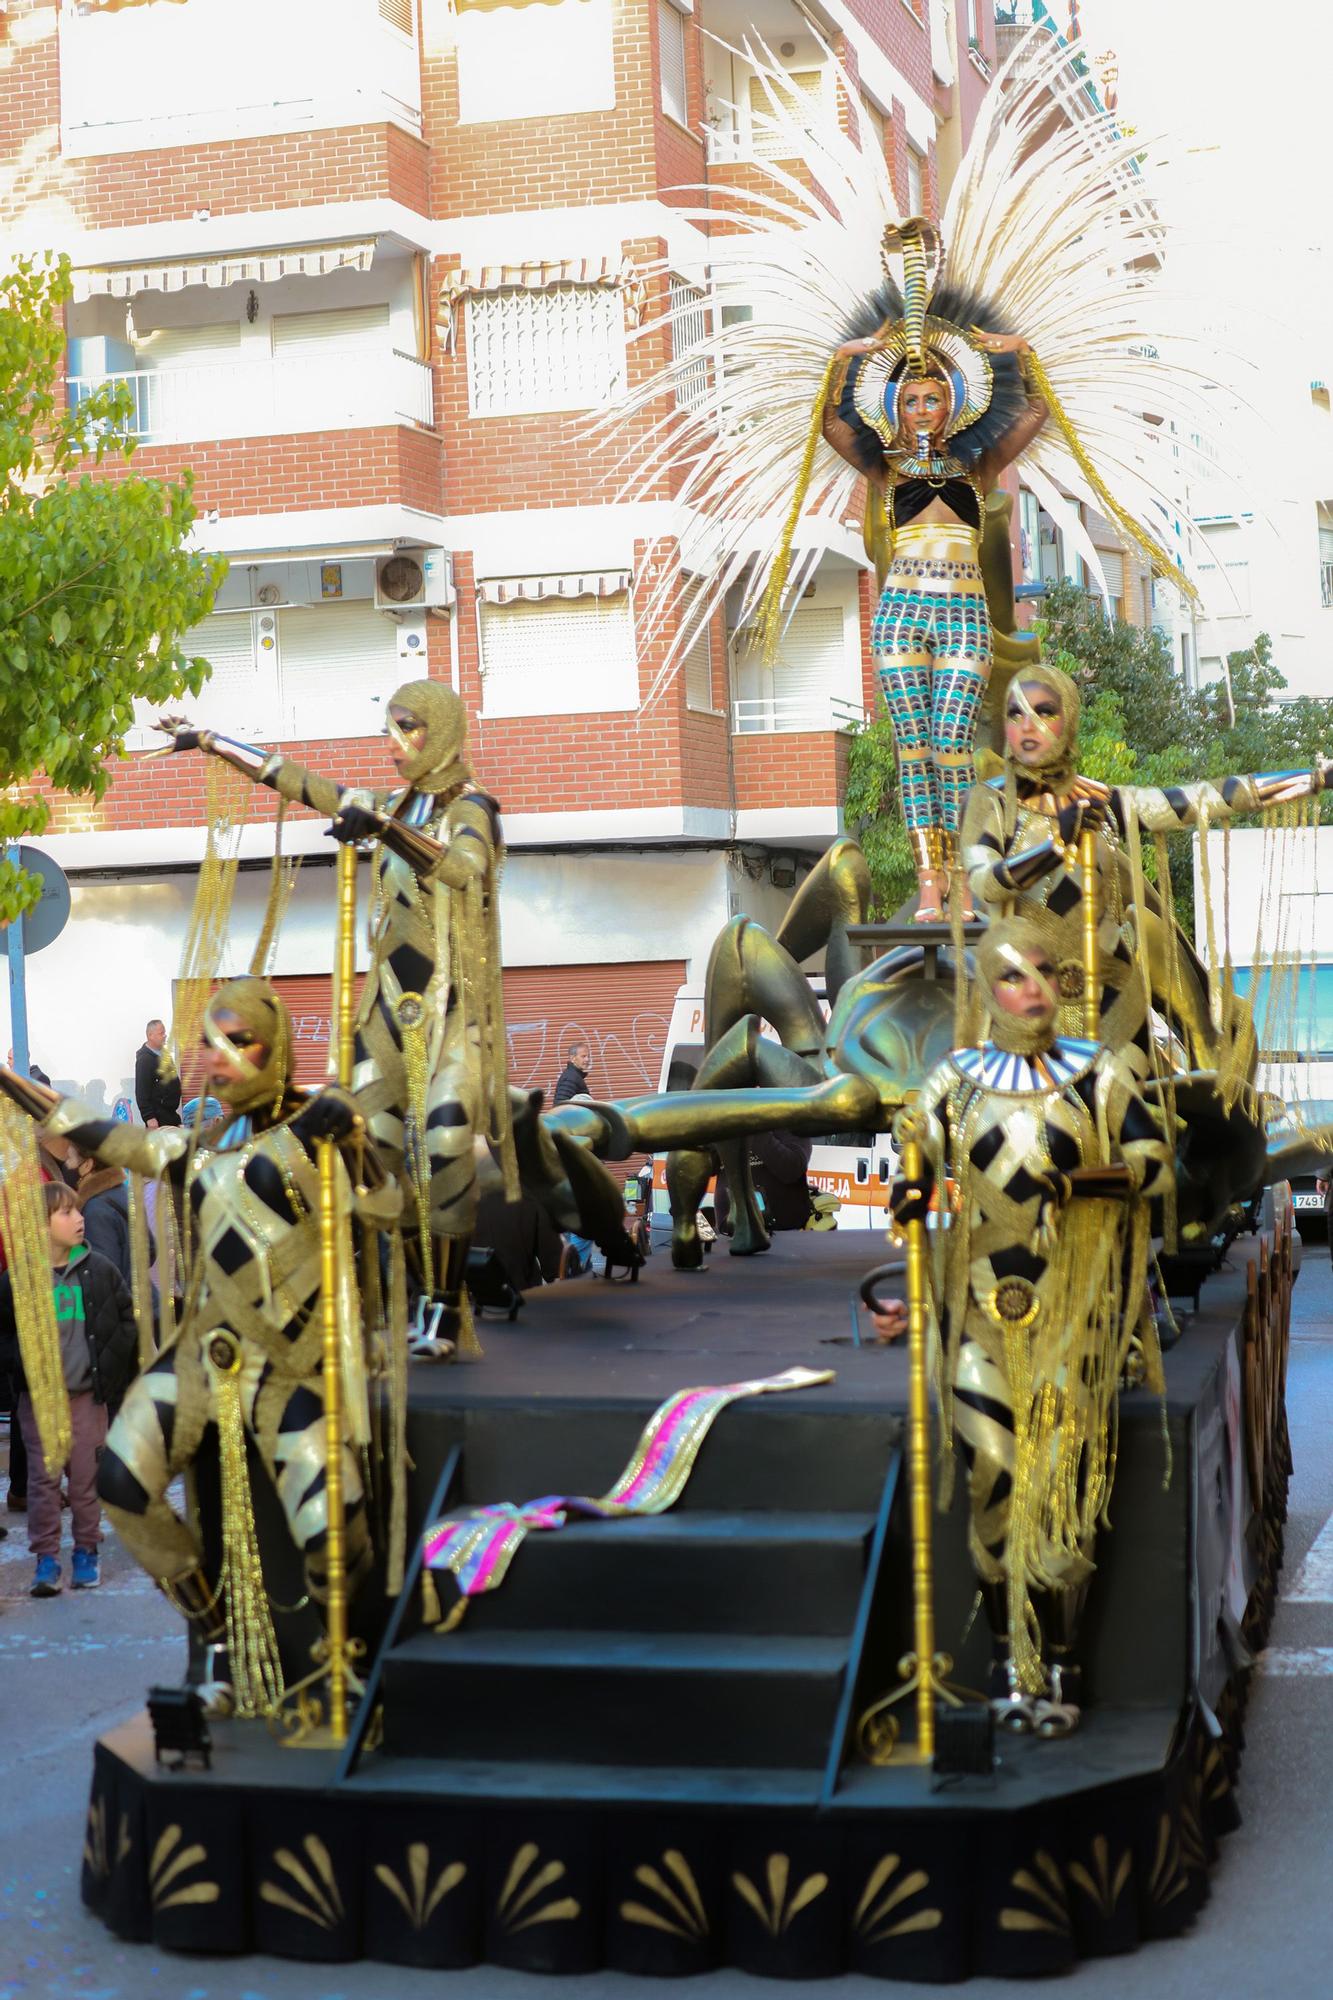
671, 56
340, 665
800, 98
341, 326
690, 324
189, 346
240, 696
558, 657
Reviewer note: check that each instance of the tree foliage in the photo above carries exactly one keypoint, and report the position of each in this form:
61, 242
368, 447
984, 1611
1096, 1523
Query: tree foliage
1141, 725
96, 584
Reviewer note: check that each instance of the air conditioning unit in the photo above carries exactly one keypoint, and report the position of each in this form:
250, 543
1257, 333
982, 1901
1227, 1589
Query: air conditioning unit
413, 579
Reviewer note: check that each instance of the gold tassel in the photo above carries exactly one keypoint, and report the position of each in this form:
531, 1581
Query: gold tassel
281, 882
226, 804
27, 1244
396, 1343
411, 1012
768, 625
1157, 556
141, 1263
252, 1646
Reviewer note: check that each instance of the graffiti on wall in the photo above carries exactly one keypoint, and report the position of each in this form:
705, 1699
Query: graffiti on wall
621, 1062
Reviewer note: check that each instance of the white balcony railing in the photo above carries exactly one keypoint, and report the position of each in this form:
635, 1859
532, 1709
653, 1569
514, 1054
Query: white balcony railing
789, 714
345, 389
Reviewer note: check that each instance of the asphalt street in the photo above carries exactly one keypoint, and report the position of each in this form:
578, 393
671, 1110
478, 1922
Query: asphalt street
78, 1663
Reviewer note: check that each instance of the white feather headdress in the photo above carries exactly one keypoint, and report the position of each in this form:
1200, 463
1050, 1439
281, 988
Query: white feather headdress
1049, 219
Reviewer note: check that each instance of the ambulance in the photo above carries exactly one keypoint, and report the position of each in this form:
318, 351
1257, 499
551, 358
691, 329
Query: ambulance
855, 1168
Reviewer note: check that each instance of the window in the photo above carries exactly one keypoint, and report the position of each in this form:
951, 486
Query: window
800, 690
872, 128
558, 657
689, 326
560, 349
973, 25
312, 671
1305, 1006
398, 14
671, 62
697, 662
534, 61
916, 182
770, 138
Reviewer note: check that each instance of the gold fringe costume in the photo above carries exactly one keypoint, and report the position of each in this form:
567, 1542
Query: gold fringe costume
430, 1063
1017, 862
247, 1355
1038, 1297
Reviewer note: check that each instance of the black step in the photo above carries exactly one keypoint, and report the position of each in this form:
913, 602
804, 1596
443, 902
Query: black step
767, 1452
613, 1697
685, 1571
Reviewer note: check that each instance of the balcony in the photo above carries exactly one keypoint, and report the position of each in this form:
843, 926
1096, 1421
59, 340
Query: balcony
135, 78
343, 389
791, 715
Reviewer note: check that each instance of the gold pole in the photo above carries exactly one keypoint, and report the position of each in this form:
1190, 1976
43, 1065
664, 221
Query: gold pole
1092, 977
336, 1547
342, 1029
918, 1455
336, 1551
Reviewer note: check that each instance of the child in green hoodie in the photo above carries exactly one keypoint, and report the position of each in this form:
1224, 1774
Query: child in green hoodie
99, 1350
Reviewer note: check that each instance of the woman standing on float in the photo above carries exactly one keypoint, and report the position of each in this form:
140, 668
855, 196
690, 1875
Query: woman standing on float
932, 413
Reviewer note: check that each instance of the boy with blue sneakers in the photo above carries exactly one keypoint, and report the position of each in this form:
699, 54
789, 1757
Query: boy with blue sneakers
99, 1350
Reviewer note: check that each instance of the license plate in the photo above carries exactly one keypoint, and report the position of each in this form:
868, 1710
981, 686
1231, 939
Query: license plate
1310, 1200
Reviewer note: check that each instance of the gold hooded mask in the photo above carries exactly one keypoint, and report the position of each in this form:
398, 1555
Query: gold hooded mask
441, 763
254, 1002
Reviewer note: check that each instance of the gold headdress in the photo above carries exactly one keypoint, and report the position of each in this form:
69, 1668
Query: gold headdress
441, 763
915, 345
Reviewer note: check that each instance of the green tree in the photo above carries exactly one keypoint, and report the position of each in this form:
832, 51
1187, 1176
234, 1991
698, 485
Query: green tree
96, 584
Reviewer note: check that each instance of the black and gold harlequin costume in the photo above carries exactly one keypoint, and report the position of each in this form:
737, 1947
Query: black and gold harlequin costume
1020, 848
249, 1336
430, 1046
1038, 1297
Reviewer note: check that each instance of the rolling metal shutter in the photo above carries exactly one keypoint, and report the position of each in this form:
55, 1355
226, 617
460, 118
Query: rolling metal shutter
622, 1011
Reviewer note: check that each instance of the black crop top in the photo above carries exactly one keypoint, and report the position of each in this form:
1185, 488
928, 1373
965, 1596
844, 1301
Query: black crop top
910, 497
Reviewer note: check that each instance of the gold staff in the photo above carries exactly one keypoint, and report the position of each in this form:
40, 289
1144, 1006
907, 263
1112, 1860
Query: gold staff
345, 978
923, 1670
1092, 977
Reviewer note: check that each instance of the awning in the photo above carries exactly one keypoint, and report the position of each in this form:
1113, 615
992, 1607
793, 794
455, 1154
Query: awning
534, 589
255, 267
540, 274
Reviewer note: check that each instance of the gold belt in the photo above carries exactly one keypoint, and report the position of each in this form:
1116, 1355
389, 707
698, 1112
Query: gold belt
945, 541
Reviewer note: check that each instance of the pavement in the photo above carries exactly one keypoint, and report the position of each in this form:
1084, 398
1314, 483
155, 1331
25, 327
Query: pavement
73, 1665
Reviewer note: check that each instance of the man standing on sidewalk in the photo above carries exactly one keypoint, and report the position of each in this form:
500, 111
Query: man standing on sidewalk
158, 1096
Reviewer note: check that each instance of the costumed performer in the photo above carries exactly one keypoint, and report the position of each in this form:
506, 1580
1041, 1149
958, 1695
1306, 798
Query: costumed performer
1040, 1287
248, 1353
932, 410
1021, 846
429, 1069
847, 344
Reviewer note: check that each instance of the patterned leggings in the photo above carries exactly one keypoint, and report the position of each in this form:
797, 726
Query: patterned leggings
931, 638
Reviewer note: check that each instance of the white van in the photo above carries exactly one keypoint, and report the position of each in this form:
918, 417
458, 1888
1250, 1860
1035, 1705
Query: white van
855, 1167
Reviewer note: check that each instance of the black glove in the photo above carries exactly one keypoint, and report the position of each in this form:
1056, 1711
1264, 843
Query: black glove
354, 824
1080, 815
332, 1114
187, 739
909, 1201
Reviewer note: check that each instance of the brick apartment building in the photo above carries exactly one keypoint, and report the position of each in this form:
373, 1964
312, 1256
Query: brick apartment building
368, 266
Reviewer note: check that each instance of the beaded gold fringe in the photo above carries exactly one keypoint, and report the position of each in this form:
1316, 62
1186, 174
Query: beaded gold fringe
26, 1240
281, 882
1157, 556
768, 625
141, 1263
252, 1646
227, 802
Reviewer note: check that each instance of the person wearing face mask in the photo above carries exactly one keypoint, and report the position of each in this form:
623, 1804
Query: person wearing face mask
430, 1046
1020, 846
249, 1348
1040, 1289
